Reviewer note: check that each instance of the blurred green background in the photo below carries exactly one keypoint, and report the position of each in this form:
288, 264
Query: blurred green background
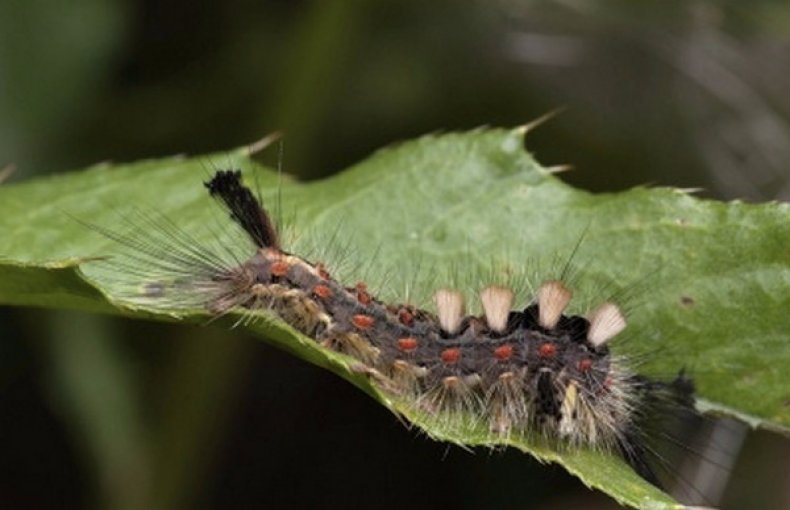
106, 413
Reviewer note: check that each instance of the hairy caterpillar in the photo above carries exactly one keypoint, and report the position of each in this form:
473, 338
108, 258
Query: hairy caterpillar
534, 370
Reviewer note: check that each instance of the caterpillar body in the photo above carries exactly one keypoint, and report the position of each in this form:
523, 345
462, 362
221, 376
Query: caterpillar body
528, 370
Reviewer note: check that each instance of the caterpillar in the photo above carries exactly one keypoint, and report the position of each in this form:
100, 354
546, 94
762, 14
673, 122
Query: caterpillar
531, 370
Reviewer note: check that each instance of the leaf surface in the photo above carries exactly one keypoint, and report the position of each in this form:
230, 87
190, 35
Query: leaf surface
706, 283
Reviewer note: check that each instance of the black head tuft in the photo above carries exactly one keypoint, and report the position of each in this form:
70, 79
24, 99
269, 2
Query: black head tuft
244, 207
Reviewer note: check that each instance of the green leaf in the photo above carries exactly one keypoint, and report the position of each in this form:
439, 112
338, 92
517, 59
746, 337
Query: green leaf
711, 279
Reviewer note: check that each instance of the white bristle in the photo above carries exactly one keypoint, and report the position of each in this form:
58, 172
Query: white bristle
569, 422
606, 322
553, 297
450, 308
496, 305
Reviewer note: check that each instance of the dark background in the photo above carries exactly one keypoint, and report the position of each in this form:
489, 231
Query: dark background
106, 413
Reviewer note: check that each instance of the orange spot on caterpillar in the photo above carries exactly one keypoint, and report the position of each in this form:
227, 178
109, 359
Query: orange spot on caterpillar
280, 268
362, 294
363, 321
451, 355
584, 365
407, 344
503, 352
547, 350
405, 317
322, 291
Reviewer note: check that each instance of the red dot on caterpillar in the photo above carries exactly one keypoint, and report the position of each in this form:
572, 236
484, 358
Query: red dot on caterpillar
450, 356
363, 321
322, 291
407, 344
405, 317
503, 352
362, 293
547, 350
280, 268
